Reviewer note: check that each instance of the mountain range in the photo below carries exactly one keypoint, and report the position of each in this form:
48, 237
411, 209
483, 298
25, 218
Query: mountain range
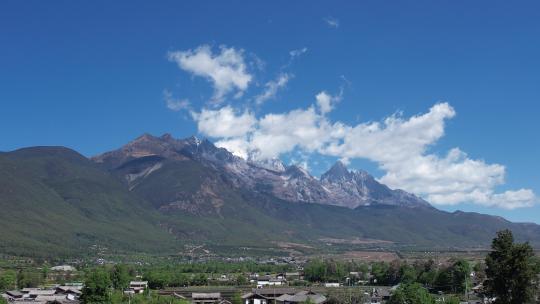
160, 194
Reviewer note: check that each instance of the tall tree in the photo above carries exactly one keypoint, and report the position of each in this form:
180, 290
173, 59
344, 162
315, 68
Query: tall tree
461, 270
510, 271
97, 287
120, 277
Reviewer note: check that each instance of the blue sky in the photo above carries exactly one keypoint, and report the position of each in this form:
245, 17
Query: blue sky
94, 75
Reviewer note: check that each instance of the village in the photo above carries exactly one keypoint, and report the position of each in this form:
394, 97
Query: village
298, 286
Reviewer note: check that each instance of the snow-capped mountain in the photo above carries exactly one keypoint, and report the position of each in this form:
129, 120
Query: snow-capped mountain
339, 186
359, 188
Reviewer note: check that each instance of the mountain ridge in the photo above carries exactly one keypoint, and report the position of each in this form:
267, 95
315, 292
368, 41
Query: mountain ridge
291, 183
159, 194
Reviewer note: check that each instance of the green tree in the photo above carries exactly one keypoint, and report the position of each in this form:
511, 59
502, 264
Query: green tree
452, 300
443, 281
45, 271
29, 278
156, 279
461, 271
3, 301
8, 280
411, 293
200, 279
427, 272
510, 271
120, 277
180, 280
379, 271
393, 273
241, 280
97, 287
407, 274
480, 271
315, 271
237, 298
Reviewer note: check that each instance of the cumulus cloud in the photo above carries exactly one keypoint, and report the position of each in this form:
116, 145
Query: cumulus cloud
175, 104
226, 69
272, 87
326, 102
224, 123
331, 22
399, 145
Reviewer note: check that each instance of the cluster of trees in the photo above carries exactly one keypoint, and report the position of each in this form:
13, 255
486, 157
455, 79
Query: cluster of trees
511, 275
8, 280
158, 279
197, 274
11, 279
106, 285
452, 278
318, 270
220, 267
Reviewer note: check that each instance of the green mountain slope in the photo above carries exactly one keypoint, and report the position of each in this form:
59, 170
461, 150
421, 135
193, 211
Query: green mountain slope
55, 201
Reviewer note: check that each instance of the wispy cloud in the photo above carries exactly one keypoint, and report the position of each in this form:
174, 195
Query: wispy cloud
298, 52
331, 22
175, 104
272, 87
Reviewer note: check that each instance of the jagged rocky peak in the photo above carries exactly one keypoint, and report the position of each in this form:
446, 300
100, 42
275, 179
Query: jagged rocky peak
167, 137
338, 186
146, 145
337, 172
296, 171
193, 140
272, 164
143, 138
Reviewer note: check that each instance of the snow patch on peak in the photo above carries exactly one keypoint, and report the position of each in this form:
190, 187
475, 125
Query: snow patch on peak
273, 164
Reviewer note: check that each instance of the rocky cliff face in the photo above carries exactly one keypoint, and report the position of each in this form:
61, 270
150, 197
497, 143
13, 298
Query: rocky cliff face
339, 186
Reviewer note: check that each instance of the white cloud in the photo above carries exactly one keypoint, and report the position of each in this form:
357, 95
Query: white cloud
237, 146
226, 69
513, 199
298, 52
175, 104
299, 128
224, 123
400, 146
331, 22
394, 139
326, 102
271, 88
